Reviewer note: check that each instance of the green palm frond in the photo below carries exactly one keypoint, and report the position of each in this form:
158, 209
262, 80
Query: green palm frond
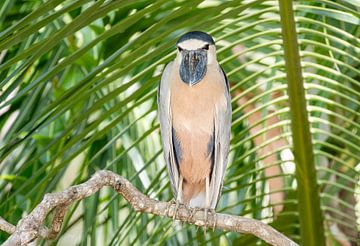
78, 86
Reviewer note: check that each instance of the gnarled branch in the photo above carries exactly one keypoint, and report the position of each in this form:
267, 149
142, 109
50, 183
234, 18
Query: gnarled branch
32, 226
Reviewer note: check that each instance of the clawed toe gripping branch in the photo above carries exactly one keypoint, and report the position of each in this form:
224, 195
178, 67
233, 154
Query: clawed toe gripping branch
32, 226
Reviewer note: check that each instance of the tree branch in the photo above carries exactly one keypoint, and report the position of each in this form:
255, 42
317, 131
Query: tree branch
32, 226
6, 226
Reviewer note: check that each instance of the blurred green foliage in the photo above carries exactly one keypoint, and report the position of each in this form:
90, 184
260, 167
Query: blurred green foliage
78, 86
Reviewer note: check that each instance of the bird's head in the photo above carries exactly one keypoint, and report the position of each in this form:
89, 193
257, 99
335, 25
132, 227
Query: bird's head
196, 50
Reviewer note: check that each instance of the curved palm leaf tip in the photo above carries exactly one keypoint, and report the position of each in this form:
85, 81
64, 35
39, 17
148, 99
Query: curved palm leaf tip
78, 83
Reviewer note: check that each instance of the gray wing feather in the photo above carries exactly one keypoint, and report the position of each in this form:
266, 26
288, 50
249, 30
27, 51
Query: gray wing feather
222, 142
166, 127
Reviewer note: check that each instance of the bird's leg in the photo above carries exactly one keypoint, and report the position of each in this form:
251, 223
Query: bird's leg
171, 202
178, 196
213, 212
207, 201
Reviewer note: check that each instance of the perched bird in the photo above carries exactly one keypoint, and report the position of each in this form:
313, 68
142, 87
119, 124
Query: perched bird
195, 120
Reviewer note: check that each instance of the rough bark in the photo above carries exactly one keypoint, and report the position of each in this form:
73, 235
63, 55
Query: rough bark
32, 226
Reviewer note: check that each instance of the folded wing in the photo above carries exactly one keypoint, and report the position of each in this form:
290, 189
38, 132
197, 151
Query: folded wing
166, 127
222, 124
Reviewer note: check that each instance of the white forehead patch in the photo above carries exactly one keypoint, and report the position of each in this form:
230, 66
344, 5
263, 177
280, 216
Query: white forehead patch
192, 44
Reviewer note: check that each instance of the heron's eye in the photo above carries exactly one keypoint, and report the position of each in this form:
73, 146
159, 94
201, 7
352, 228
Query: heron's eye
179, 49
206, 47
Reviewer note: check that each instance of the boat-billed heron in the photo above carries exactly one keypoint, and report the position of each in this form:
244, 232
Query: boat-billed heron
195, 120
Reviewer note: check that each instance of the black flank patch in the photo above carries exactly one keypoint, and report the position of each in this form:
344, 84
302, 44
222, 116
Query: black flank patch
177, 147
211, 151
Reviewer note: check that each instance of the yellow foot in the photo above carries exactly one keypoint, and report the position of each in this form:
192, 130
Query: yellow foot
211, 212
206, 210
193, 212
177, 205
170, 203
